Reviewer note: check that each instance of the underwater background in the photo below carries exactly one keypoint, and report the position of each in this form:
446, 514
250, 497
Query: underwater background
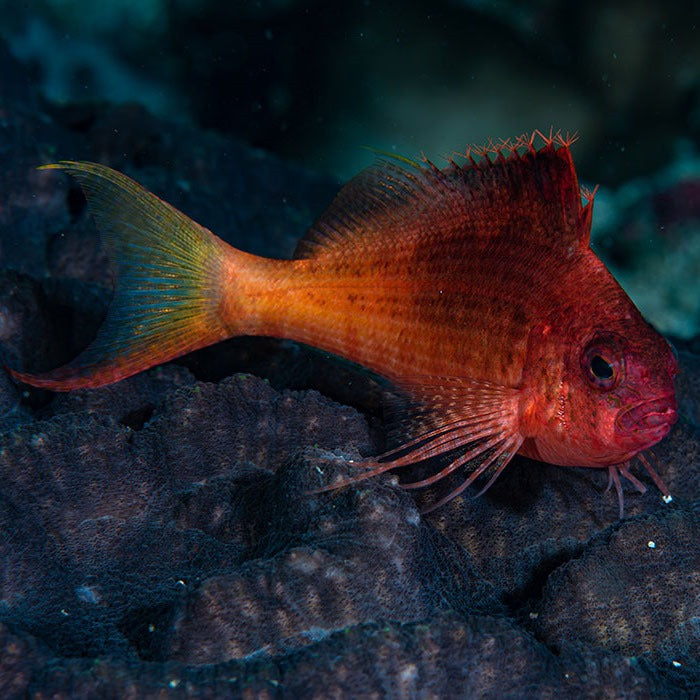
156, 538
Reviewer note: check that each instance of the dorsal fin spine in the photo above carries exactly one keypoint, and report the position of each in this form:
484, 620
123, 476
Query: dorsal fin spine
383, 199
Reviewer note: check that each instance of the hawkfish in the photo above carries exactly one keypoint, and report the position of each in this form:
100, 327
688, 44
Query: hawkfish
472, 289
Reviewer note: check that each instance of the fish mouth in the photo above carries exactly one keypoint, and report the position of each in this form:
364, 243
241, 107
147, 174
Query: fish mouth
652, 418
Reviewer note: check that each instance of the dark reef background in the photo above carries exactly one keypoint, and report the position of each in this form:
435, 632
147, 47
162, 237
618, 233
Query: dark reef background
156, 538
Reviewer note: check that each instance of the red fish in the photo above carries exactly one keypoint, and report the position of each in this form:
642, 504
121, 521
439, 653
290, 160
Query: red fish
473, 289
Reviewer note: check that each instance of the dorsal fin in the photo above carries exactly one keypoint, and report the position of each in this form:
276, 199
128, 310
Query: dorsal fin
511, 189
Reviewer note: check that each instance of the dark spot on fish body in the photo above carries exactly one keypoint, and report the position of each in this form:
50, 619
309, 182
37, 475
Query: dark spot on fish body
512, 228
446, 255
318, 300
507, 358
519, 316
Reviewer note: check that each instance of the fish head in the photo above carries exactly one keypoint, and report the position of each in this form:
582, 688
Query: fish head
615, 396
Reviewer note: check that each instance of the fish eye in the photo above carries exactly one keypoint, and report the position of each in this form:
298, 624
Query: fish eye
602, 366
601, 369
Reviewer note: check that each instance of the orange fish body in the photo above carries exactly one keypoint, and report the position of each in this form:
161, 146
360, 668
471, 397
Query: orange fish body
472, 289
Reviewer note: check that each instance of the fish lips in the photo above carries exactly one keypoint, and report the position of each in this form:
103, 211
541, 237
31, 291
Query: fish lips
651, 419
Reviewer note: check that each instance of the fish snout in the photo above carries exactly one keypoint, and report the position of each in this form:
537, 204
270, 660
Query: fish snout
652, 416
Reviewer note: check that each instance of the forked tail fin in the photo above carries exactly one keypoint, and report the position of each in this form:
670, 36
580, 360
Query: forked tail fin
169, 279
